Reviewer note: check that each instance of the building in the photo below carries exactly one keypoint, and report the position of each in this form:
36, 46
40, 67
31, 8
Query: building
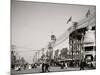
89, 46
82, 39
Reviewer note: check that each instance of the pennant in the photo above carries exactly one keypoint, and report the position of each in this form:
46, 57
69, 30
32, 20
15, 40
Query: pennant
69, 19
88, 13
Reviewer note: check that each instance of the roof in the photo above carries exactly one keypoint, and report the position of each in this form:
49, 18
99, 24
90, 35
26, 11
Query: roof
84, 23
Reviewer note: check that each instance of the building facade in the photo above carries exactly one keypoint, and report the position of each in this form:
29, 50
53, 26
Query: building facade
82, 39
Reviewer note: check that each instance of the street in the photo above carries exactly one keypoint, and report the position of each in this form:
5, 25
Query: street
38, 70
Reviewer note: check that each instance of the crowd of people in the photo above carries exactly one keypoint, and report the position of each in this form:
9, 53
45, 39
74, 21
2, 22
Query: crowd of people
46, 66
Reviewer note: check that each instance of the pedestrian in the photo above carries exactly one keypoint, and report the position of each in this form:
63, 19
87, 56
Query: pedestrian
29, 66
24, 66
46, 67
43, 67
82, 65
18, 68
66, 65
62, 66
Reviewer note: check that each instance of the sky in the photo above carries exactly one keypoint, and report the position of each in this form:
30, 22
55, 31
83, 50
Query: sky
32, 24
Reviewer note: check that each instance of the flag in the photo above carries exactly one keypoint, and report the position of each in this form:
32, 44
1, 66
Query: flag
88, 13
69, 19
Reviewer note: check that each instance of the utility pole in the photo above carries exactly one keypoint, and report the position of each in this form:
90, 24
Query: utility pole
36, 56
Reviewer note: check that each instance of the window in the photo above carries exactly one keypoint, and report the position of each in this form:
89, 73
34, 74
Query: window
89, 48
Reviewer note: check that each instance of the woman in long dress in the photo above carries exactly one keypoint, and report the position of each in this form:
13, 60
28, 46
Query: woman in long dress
66, 65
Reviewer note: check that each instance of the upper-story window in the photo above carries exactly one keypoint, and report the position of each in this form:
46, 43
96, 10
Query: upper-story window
89, 48
93, 28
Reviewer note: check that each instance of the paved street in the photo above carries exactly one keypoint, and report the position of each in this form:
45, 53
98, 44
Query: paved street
38, 70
